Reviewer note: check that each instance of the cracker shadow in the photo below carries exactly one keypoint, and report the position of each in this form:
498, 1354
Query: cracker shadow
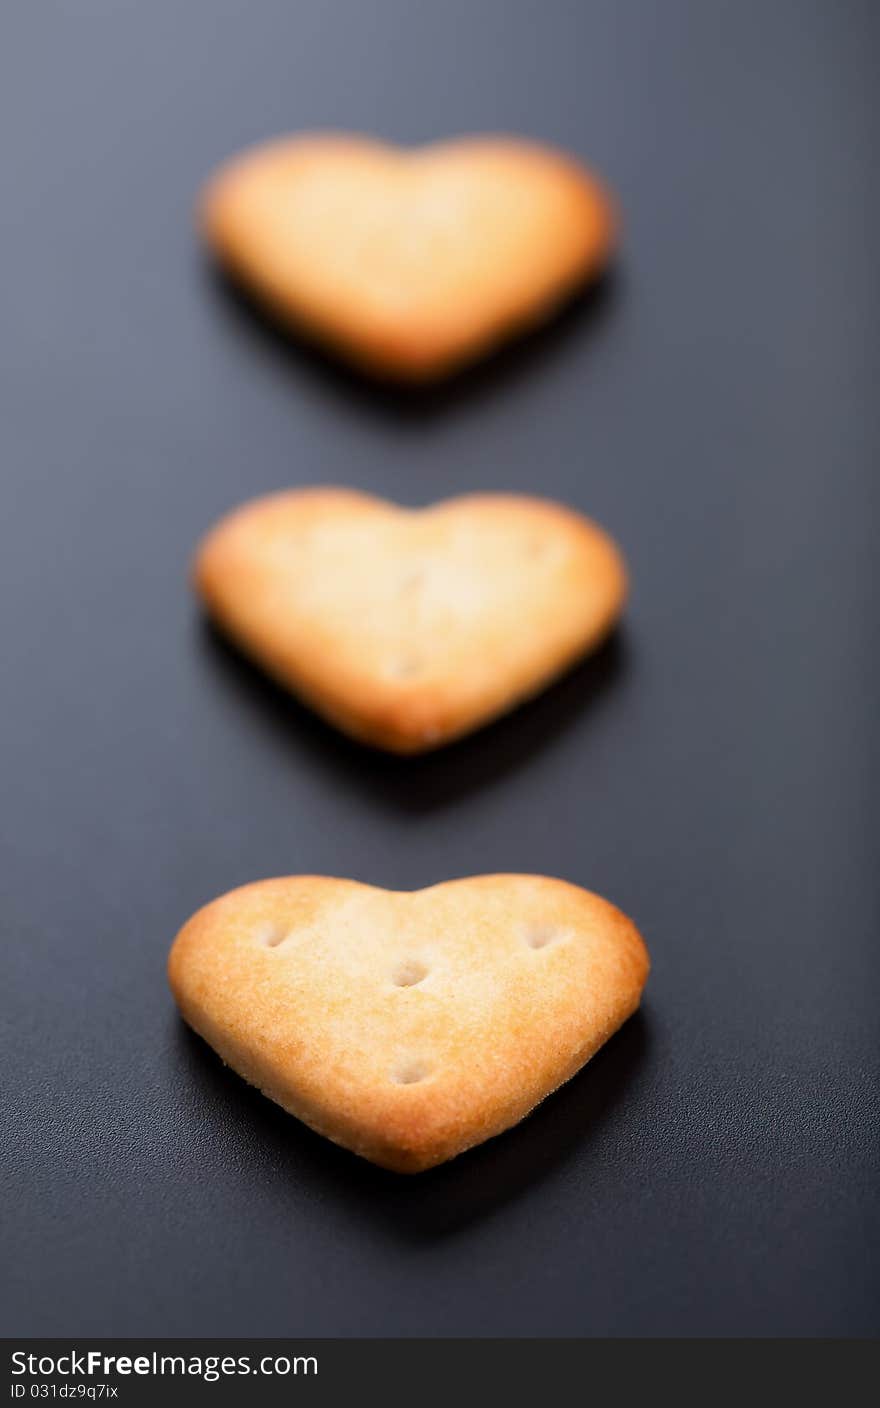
429, 1207
427, 781
405, 404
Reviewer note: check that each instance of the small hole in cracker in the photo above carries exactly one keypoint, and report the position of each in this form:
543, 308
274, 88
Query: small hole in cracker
408, 973
404, 666
411, 1072
271, 934
411, 581
540, 935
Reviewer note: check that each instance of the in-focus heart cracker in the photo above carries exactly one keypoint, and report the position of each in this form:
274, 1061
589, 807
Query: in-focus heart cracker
408, 1027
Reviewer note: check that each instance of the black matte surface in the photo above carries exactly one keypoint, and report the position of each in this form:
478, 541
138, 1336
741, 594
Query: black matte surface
714, 771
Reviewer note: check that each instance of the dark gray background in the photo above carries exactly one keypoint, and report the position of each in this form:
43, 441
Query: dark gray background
714, 771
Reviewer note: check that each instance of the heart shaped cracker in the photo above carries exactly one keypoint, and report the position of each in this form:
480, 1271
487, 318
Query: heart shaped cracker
407, 628
409, 263
408, 1027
